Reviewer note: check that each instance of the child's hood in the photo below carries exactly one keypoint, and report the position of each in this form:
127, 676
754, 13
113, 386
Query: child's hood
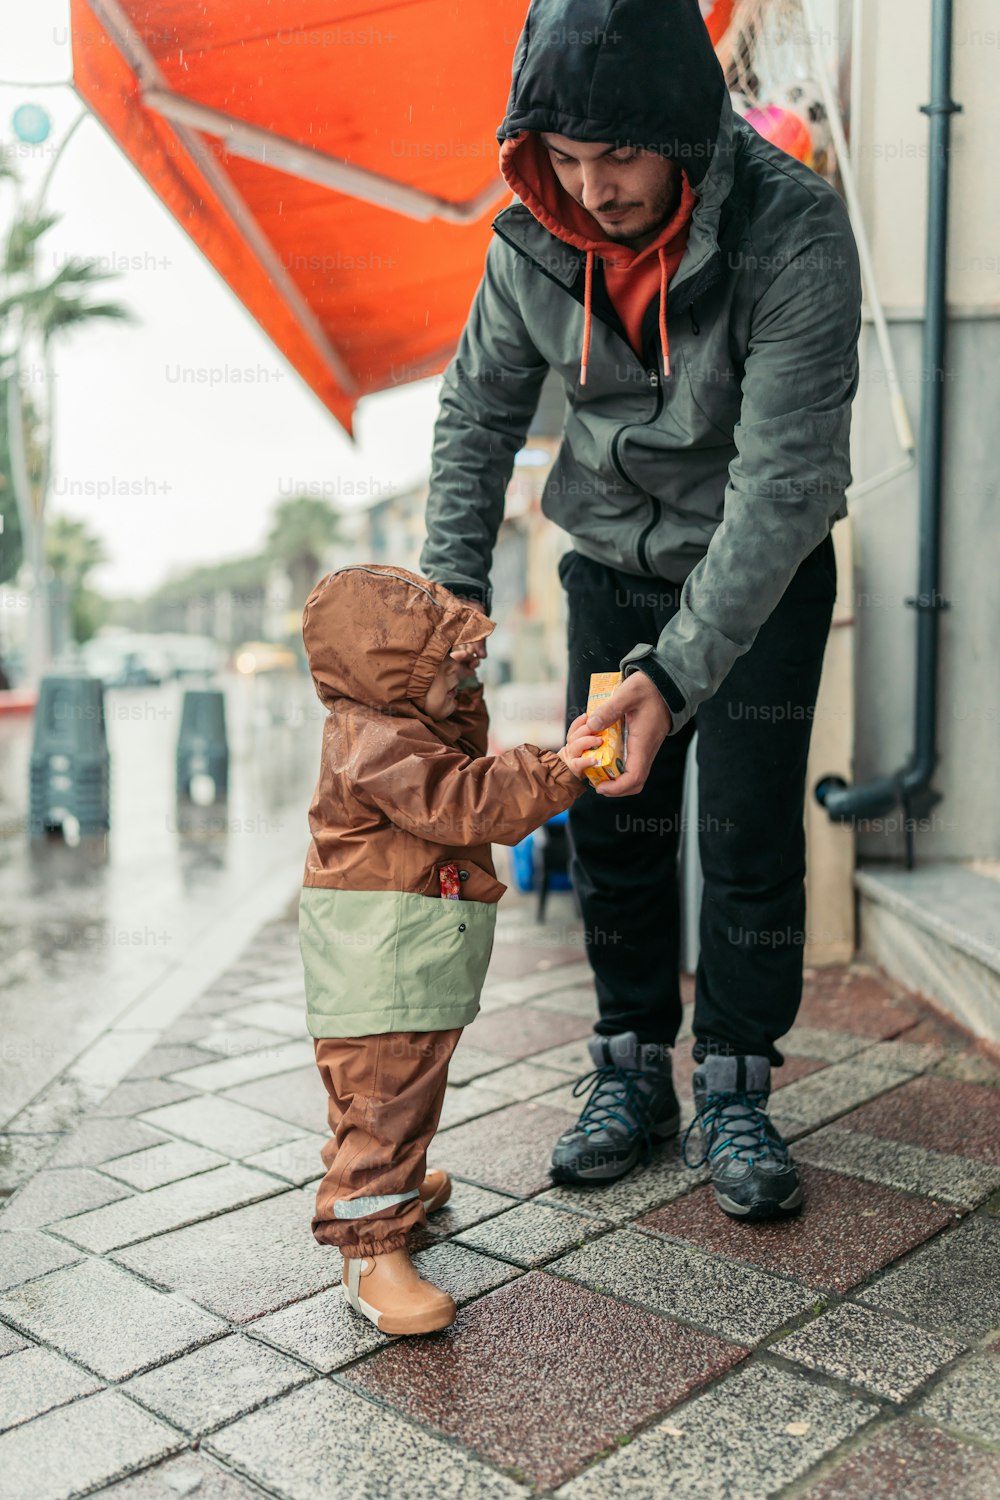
377, 635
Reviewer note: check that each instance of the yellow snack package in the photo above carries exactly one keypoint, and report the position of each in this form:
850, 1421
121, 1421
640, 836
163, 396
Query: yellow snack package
611, 750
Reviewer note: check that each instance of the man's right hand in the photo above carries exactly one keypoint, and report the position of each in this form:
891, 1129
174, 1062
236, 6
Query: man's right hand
476, 647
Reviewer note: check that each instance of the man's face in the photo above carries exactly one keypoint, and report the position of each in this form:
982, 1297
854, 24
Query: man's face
631, 192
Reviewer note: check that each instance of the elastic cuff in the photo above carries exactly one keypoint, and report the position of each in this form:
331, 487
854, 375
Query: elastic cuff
375, 1247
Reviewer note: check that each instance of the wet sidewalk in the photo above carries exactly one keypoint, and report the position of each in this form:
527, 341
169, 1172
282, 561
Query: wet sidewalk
169, 1327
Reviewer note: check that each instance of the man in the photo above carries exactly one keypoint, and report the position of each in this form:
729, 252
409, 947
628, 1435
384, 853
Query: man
698, 292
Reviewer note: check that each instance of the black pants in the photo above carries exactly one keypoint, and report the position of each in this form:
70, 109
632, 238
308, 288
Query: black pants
753, 739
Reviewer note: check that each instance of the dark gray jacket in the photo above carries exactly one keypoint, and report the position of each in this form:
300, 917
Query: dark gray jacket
730, 472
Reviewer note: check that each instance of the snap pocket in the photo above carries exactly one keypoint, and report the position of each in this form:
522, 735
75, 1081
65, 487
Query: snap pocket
461, 926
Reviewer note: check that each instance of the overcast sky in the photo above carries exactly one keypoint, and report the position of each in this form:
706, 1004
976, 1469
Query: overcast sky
196, 470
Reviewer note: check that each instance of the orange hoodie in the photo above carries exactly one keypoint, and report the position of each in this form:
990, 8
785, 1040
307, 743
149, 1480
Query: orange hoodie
632, 277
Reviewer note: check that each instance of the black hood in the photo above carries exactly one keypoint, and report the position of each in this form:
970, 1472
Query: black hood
635, 72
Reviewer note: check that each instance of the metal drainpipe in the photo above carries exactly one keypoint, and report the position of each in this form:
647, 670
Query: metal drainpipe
910, 785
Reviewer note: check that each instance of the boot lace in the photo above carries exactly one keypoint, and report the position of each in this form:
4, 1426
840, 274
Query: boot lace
617, 1100
735, 1123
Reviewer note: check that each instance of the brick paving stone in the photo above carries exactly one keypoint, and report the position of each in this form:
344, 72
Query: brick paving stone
470, 1062
297, 1161
244, 1263
861, 1004
324, 1331
166, 1208
829, 1046
187, 1474
522, 1080
745, 1439
846, 1230
55, 1194
907, 1462
878, 1353
662, 1180
571, 1057
168, 1057
967, 1398
968, 1067
826, 1095
25, 1254
949, 1179
10, 1341
520, 1031
297, 1096
105, 1319
533, 1377
467, 1205
724, 1296
468, 1103
960, 1119
235, 1041
156, 1166
269, 1016
227, 1072
98, 1140
222, 1125
912, 1057
70, 1451
508, 1150
216, 1383
579, 1000
532, 1233
59, 1108
21, 1156
145, 1094
37, 1380
951, 1285
288, 987
462, 1272
293, 1446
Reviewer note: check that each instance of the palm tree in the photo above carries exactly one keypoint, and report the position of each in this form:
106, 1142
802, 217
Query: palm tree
301, 535
34, 314
72, 551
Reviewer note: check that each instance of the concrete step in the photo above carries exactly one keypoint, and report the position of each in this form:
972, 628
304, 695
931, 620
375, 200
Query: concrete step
937, 929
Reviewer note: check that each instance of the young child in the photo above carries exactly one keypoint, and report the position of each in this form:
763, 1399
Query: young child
398, 906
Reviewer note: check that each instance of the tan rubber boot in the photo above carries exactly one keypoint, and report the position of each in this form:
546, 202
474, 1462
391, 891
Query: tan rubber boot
387, 1291
435, 1190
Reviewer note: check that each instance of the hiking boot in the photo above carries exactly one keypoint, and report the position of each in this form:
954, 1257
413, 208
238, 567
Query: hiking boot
387, 1290
632, 1103
435, 1190
753, 1174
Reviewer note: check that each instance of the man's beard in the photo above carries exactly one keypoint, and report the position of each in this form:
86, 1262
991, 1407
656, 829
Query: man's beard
660, 213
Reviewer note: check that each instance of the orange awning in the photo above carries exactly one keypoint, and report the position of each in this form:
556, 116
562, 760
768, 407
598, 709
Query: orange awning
336, 162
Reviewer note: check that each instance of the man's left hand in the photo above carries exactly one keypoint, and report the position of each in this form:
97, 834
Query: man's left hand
640, 703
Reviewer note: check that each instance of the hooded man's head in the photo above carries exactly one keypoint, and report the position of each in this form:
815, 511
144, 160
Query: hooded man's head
630, 191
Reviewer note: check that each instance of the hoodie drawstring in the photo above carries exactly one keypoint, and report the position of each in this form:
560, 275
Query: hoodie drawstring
588, 282
664, 342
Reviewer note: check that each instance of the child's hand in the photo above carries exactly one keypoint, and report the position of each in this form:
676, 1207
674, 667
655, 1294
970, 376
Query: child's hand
578, 743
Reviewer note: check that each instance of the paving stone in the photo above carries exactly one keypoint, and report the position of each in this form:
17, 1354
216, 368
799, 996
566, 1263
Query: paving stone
106, 1060
468, 1103
235, 1041
907, 1462
829, 1046
531, 1234
532, 1377
853, 1343
71, 1450
166, 1208
577, 1001
297, 1096
25, 1254
55, 1194
847, 1229
467, 1205
10, 1341
462, 1272
249, 1066
244, 1263
138, 1097
324, 1330
522, 1080
662, 1180
222, 1125
508, 1150
294, 1445
155, 1166
187, 1474
745, 1439
859, 1003
270, 1016
81, 1310
167, 1058
297, 1161
949, 1179
951, 1285
287, 987
723, 1296
21, 1156
967, 1398
468, 1062
821, 1098
968, 1067
60, 1107
216, 1383
98, 1140
962, 1119
520, 1031
35, 1381
571, 1057
911, 1057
